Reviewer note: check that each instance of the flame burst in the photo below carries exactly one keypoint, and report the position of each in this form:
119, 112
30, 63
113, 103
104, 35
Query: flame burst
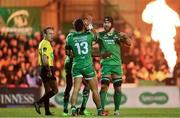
164, 21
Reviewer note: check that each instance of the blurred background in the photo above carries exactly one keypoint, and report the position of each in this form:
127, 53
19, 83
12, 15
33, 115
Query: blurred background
148, 68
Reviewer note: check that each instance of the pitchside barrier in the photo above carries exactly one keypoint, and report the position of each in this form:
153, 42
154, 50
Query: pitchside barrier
149, 97
17, 96
162, 96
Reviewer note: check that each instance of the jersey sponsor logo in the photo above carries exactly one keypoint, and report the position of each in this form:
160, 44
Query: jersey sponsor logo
105, 37
157, 98
110, 34
81, 38
110, 41
115, 36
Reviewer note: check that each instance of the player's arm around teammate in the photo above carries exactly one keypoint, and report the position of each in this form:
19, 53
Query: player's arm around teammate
95, 46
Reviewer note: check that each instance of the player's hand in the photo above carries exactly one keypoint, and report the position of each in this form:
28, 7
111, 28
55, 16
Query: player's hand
88, 22
124, 35
125, 39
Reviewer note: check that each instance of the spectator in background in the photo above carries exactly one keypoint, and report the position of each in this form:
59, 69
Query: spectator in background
177, 72
15, 55
3, 80
33, 79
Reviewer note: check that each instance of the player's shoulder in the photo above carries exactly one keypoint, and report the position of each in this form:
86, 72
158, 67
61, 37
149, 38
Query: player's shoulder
88, 33
116, 32
71, 34
102, 32
43, 43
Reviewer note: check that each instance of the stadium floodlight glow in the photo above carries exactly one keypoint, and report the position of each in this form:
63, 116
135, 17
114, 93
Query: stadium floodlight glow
164, 21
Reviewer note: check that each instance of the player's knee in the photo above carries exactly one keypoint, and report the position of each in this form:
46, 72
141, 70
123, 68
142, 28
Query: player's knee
105, 81
76, 90
117, 82
104, 88
117, 89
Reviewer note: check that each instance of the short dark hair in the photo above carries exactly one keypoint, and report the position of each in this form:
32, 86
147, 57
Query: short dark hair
78, 24
47, 28
109, 18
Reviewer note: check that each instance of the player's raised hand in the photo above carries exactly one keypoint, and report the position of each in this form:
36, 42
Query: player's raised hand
124, 38
88, 22
124, 35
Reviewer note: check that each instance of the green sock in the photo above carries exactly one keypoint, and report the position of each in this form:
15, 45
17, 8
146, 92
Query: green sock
117, 100
86, 92
103, 96
84, 102
99, 110
66, 105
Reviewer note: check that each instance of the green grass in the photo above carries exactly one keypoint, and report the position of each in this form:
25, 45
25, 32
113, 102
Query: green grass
125, 112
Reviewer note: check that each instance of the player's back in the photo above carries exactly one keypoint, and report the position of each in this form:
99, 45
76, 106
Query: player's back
81, 43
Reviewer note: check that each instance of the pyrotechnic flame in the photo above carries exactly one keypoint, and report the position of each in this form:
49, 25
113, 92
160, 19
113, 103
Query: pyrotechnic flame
164, 21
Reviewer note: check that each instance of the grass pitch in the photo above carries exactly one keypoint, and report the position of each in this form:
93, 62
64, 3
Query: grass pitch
125, 113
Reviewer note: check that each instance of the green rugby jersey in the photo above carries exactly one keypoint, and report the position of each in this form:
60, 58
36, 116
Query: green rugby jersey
81, 44
110, 42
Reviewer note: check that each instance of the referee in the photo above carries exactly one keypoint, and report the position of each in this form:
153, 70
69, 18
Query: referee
47, 70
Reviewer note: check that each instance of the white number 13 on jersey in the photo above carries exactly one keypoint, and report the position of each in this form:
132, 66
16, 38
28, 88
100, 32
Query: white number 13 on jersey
82, 47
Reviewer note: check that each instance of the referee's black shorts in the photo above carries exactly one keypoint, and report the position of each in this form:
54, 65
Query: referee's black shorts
44, 73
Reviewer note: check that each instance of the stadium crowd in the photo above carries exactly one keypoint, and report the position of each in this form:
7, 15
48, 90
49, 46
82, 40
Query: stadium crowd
18, 60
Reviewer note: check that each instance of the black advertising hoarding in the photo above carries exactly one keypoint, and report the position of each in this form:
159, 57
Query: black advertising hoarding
18, 96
